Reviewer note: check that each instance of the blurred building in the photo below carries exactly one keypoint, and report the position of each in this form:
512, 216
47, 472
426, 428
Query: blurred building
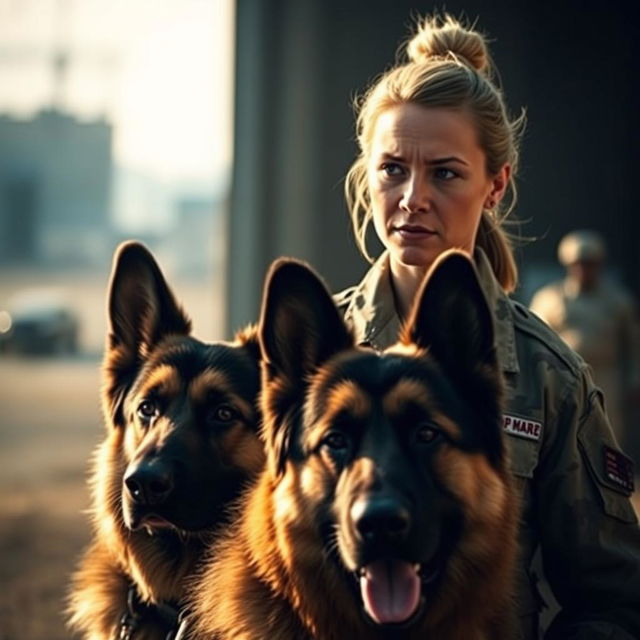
55, 183
198, 238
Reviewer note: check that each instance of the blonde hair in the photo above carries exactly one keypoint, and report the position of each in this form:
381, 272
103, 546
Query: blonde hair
448, 66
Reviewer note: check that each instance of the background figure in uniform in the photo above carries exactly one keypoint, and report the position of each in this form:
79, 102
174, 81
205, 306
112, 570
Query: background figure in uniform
596, 317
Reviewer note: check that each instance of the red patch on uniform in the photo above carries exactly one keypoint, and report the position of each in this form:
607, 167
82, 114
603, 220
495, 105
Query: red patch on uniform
618, 469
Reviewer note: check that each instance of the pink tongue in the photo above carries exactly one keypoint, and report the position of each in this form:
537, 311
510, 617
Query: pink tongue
390, 590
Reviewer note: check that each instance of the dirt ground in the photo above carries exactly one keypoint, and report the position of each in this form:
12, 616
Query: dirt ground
49, 425
38, 546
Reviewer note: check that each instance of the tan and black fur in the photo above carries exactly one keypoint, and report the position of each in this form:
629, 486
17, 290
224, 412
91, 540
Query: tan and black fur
181, 441
385, 509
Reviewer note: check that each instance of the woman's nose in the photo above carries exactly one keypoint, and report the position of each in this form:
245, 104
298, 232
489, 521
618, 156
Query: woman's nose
415, 197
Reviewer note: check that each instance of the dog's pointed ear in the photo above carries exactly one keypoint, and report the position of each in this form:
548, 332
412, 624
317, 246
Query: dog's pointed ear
451, 317
300, 328
141, 310
300, 325
452, 320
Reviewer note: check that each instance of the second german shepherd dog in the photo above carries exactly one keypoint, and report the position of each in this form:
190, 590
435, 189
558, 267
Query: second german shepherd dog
181, 440
385, 509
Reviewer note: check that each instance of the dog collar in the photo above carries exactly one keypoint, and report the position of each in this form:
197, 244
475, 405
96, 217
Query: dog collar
168, 613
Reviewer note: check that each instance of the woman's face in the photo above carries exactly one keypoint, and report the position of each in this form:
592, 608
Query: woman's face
428, 183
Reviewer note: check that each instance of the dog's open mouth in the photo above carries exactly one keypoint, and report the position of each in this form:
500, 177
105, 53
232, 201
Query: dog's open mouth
392, 590
152, 522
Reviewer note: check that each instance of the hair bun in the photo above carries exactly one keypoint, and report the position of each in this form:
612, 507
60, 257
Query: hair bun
442, 38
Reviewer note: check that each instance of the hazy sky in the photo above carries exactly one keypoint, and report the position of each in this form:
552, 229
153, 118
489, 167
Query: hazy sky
160, 70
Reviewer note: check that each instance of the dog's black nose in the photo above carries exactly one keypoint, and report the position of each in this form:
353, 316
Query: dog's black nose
380, 518
149, 483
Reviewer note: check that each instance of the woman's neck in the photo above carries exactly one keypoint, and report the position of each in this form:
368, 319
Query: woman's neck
405, 282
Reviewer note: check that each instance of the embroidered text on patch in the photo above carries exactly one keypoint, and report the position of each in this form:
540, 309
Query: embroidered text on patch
618, 469
522, 427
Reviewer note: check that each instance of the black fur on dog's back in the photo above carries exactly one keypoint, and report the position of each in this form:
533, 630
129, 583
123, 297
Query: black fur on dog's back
181, 442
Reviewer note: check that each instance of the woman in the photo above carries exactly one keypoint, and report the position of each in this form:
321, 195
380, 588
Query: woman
438, 158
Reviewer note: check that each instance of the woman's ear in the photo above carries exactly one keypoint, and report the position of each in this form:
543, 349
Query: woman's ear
499, 184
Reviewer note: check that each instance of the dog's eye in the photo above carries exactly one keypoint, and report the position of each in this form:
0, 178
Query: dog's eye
336, 440
147, 409
223, 413
427, 433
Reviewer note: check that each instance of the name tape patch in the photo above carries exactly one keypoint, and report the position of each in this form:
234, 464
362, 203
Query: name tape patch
618, 469
522, 427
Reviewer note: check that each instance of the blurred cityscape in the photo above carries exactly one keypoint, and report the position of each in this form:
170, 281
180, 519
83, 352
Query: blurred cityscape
82, 168
57, 185
115, 123
59, 189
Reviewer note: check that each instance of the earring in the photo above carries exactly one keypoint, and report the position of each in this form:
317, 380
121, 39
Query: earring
491, 203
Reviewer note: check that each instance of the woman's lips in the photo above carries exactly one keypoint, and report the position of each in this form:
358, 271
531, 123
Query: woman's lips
413, 232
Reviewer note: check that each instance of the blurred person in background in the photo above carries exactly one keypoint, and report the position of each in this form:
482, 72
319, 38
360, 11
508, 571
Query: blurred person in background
596, 317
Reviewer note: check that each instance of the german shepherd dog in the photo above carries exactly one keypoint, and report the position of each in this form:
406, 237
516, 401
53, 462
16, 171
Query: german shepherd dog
182, 439
385, 509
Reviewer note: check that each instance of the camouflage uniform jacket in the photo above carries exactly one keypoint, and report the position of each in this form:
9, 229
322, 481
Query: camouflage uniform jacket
574, 481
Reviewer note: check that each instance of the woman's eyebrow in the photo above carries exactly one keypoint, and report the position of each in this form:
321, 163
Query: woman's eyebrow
436, 161
448, 159
390, 156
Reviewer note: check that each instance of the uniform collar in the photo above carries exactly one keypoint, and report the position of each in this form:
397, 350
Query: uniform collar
502, 313
372, 312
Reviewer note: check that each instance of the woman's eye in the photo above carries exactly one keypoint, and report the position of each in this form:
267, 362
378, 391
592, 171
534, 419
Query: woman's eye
442, 173
427, 434
336, 441
392, 169
147, 409
223, 413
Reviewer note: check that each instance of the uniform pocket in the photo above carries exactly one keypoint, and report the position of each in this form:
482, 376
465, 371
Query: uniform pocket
523, 456
610, 469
